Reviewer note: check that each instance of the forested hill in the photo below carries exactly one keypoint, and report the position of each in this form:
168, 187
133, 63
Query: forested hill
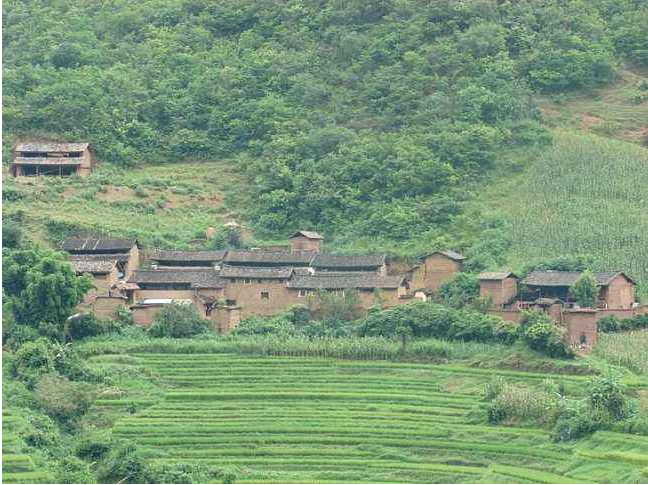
349, 116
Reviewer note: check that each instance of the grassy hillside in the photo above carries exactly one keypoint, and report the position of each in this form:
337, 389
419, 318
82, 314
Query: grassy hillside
321, 420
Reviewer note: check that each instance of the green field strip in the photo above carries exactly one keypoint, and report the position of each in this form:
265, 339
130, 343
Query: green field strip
631, 458
26, 477
16, 463
532, 475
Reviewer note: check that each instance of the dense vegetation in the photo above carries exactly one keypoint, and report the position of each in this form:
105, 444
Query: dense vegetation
307, 95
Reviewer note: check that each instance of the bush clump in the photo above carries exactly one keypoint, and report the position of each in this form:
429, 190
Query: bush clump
178, 320
540, 333
62, 399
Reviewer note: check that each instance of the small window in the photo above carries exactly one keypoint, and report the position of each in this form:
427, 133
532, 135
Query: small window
230, 302
247, 281
302, 293
265, 295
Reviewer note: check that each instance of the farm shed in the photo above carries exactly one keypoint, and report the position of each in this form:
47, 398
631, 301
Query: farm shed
501, 287
52, 158
617, 290
306, 241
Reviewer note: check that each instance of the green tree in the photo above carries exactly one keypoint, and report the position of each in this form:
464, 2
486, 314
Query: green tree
178, 320
585, 290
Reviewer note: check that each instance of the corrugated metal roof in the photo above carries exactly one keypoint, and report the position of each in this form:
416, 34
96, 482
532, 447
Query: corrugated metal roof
307, 234
163, 255
344, 261
280, 272
494, 275
47, 146
97, 245
345, 280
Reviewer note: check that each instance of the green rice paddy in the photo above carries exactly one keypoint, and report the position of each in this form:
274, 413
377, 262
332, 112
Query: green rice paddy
288, 419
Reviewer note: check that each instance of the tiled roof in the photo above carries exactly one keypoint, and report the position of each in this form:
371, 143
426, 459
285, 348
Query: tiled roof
307, 234
197, 278
161, 255
342, 261
119, 257
280, 272
279, 258
347, 279
46, 146
494, 275
46, 161
451, 254
93, 266
568, 278
97, 245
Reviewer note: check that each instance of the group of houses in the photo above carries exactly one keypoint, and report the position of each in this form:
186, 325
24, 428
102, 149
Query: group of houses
228, 285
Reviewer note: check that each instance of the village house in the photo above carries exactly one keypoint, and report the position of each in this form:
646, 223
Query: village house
125, 251
331, 262
436, 269
306, 241
264, 258
500, 287
52, 158
104, 272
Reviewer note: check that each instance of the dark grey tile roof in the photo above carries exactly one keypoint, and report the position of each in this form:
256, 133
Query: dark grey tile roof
308, 234
278, 258
343, 261
46, 146
278, 272
197, 278
161, 255
46, 161
119, 257
346, 279
97, 245
452, 255
568, 278
495, 275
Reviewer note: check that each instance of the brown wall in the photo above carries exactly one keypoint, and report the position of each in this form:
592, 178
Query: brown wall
301, 243
248, 297
501, 291
87, 163
106, 306
514, 316
145, 315
579, 324
438, 270
103, 282
620, 293
133, 262
225, 319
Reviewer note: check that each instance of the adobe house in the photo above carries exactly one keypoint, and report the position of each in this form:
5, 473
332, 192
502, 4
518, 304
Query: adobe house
370, 288
331, 262
501, 287
50, 158
103, 270
306, 241
187, 259
262, 258
617, 290
257, 290
125, 251
144, 311
436, 269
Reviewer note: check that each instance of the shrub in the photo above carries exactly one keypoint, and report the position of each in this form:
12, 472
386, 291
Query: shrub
124, 464
460, 291
189, 473
93, 448
61, 399
610, 323
83, 325
585, 290
541, 334
260, 325
516, 403
178, 320
72, 470
574, 422
607, 396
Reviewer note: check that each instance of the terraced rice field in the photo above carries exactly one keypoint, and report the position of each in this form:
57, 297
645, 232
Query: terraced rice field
17, 467
321, 420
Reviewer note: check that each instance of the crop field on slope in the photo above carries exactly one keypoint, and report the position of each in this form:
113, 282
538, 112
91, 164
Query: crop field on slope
325, 420
164, 205
17, 466
586, 194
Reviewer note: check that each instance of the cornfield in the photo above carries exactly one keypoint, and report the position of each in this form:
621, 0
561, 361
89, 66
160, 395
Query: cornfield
586, 195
